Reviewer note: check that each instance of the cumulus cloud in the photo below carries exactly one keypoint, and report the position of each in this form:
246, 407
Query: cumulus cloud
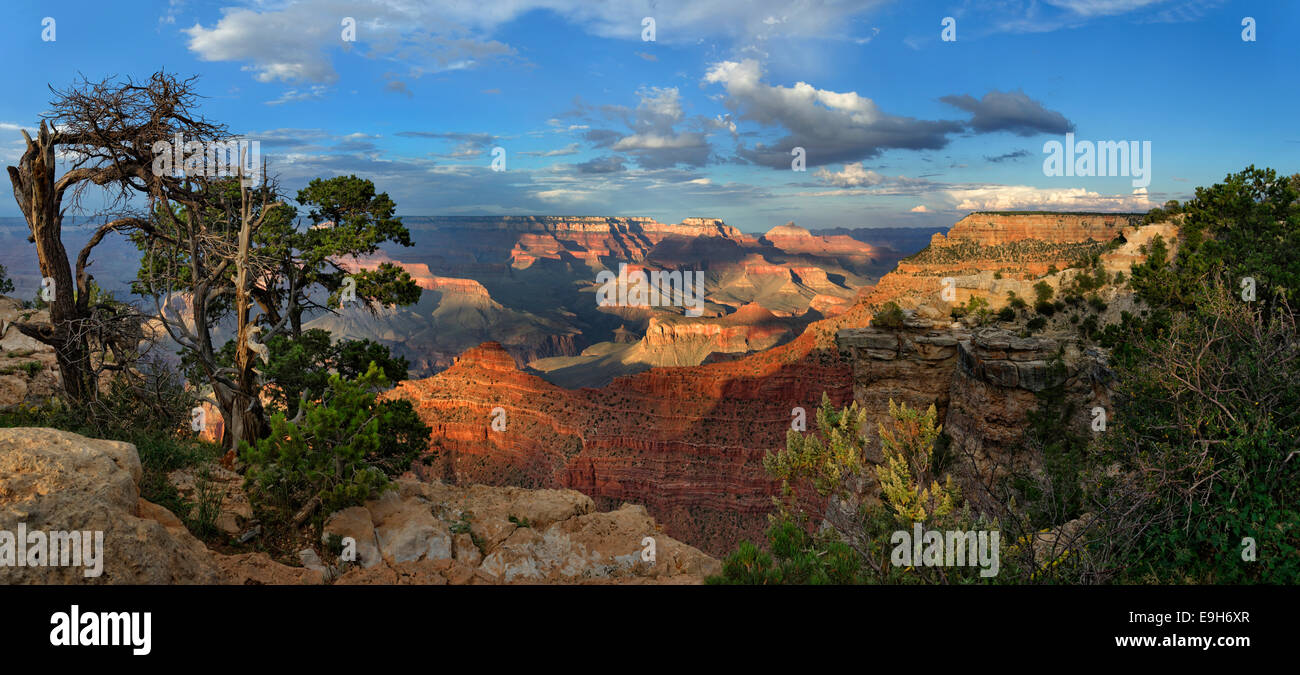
655, 140
601, 138
855, 181
830, 126
852, 175
1011, 111
1025, 197
292, 41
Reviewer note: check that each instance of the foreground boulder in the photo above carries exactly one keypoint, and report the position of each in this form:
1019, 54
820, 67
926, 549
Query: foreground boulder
57, 481
433, 533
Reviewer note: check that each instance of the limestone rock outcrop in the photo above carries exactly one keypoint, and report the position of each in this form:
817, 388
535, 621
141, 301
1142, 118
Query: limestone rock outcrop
28, 368
983, 384
58, 481
433, 533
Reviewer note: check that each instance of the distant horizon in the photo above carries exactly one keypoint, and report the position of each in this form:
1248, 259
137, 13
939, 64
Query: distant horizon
74, 221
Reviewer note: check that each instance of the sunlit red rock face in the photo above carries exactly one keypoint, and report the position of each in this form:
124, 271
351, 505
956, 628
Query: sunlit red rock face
992, 229
688, 442
794, 239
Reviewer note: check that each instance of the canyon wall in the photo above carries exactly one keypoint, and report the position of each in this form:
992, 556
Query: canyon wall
688, 442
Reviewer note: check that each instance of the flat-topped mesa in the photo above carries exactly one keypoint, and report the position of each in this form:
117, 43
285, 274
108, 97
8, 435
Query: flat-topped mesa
794, 239
787, 230
695, 227
490, 356
1019, 244
992, 228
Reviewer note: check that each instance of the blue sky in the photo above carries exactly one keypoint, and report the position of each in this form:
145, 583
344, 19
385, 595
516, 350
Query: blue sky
898, 126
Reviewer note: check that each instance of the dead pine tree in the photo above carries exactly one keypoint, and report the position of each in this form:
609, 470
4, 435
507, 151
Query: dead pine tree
105, 133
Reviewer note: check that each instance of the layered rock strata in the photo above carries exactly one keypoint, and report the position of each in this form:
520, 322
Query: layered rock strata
688, 442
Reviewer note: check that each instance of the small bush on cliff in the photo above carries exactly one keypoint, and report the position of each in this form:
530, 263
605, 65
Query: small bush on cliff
857, 551
889, 316
907, 483
977, 308
824, 459
796, 558
340, 452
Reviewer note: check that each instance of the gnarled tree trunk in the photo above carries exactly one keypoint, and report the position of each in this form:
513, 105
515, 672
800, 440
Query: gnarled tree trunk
40, 198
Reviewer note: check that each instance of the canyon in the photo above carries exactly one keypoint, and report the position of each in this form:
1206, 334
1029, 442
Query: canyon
688, 441
530, 284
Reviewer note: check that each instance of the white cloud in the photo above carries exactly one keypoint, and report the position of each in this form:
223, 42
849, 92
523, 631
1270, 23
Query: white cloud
1102, 7
1024, 197
570, 149
655, 141
920, 209
315, 92
563, 195
830, 126
292, 40
852, 175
